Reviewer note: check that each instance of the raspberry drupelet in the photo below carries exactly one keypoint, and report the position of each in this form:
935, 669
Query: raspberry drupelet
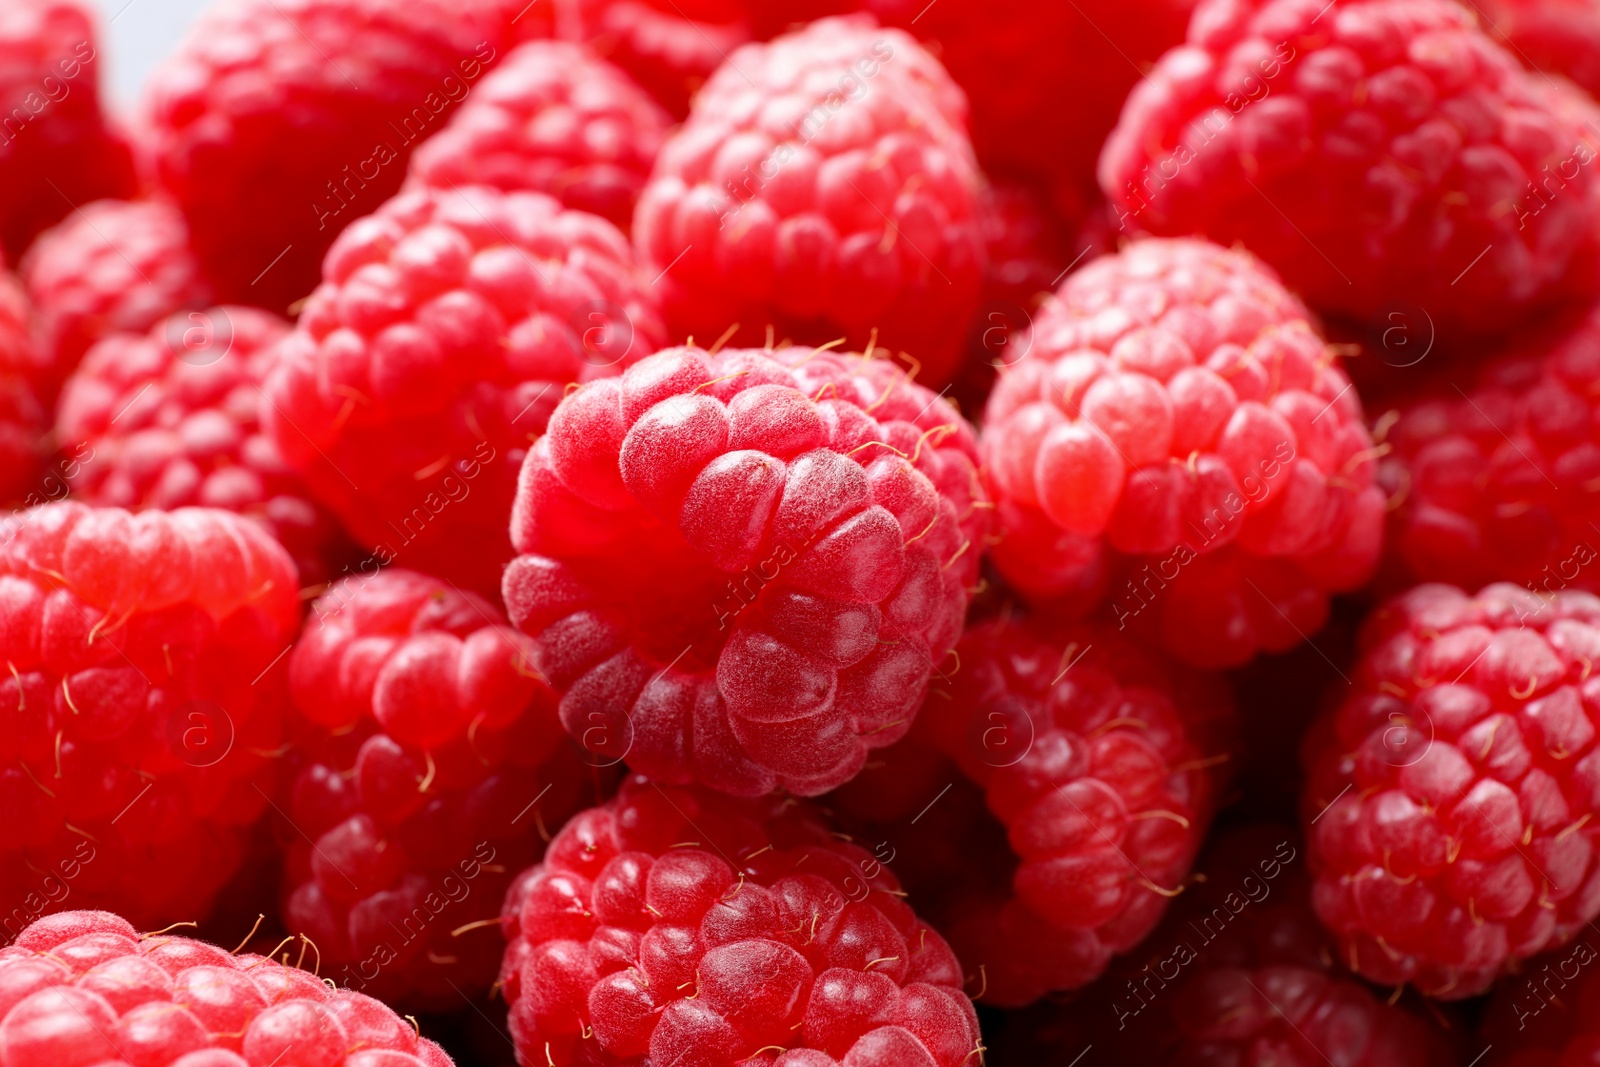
822, 185
445, 329
553, 118
1494, 474
141, 704
676, 925
1178, 439
1086, 770
742, 568
430, 761
670, 47
171, 419
1449, 797
277, 123
115, 266
84, 988
1378, 154
58, 149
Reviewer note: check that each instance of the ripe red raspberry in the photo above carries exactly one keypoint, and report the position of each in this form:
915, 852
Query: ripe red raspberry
1451, 793
822, 185
1373, 152
84, 988
1083, 790
56, 147
116, 266
434, 351
279, 122
138, 708
1497, 478
669, 46
552, 118
1179, 432
1238, 973
742, 568
171, 419
1019, 61
690, 928
1549, 36
432, 760
22, 413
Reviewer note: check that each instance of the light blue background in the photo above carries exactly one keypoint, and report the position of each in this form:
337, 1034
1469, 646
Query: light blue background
134, 36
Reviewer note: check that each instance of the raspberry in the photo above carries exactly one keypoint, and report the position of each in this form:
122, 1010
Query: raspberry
139, 706
1554, 36
116, 266
83, 988
56, 147
435, 349
742, 568
22, 414
1020, 60
669, 46
822, 185
171, 419
278, 122
1081, 761
552, 118
431, 755
1498, 478
1381, 153
1451, 792
1237, 974
689, 928
1177, 421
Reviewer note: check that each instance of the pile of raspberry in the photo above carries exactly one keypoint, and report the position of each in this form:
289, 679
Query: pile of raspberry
801, 533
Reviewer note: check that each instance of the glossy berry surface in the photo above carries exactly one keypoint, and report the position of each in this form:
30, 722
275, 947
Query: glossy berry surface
84, 988
822, 185
1381, 154
446, 327
1180, 441
1495, 475
742, 568
676, 925
171, 419
1450, 797
115, 266
305, 110
57, 149
1085, 772
552, 118
429, 762
140, 707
